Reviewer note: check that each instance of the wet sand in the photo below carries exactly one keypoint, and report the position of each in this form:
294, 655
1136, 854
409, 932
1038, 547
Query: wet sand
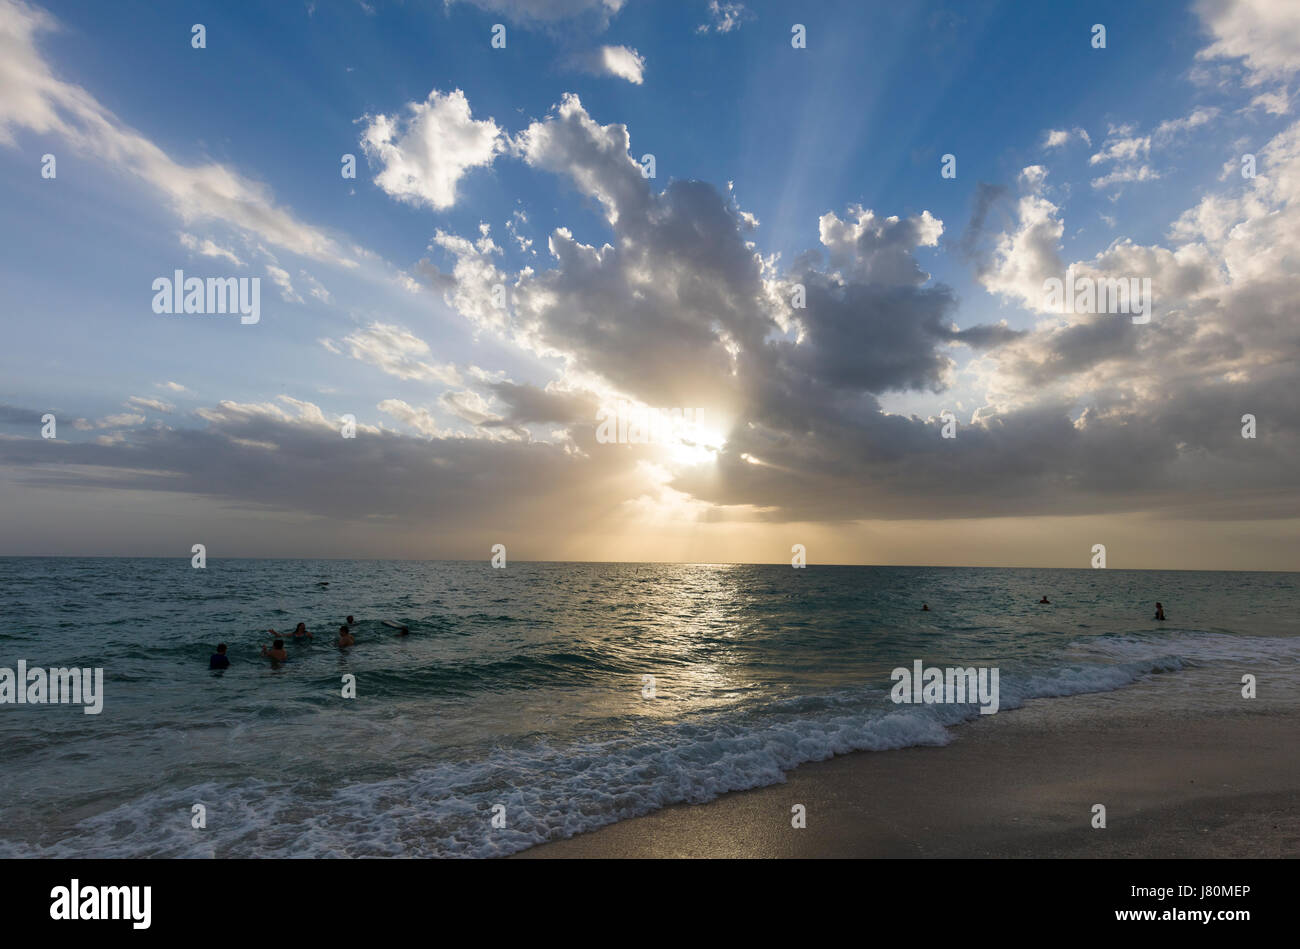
1021, 783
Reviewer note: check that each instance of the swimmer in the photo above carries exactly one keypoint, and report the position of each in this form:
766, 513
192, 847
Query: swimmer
219, 659
276, 653
299, 633
402, 631
1160, 612
1045, 600
351, 621
345, 638
925, 607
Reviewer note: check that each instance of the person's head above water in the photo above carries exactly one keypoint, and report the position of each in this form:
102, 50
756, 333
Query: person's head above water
221, 647
300, 626
350, 620
343, 628
1044, 600
278, 644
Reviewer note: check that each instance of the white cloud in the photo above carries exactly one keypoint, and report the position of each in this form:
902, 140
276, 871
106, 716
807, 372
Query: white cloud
550, 12
207, 248
1265, 34
1059, 138
281, 278
1023, 259
397, 352
724, 17
420, 419
1274, 103
1169, 129
1125, 175
621, 62
878, 250
35, 100
158, 405
424, 155
1129, 152
315, 288
121, 420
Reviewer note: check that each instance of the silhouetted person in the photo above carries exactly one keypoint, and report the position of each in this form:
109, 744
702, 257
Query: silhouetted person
351, 621
219, 659
925, 607
1045, 600
345, 638
276, 653
1160, 611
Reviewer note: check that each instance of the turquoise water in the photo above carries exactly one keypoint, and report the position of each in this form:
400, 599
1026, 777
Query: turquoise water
524, 687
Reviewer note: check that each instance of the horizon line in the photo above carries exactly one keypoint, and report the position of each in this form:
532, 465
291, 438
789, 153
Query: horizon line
680, 563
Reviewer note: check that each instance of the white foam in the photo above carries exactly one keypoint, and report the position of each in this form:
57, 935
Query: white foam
553, 791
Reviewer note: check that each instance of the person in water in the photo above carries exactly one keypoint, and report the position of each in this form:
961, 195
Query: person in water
300, 632
402, 631
276, 653
345, 638
351, 621
219, 659
1160, 612
1045, 600
925, 607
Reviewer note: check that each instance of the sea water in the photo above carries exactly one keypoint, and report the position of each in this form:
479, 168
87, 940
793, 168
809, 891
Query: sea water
555, 697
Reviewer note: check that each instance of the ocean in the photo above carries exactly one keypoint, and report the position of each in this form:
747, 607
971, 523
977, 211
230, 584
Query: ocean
537, 701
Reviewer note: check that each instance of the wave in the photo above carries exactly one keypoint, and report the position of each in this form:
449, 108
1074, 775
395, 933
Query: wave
551, 790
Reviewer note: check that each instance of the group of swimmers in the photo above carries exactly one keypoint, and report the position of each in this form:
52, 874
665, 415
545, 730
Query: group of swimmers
1160, 609
276, 651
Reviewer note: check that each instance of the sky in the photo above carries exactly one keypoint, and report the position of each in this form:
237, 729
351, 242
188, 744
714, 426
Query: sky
822, 237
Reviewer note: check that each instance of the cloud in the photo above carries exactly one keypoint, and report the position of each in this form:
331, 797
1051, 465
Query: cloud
420, 419
674, 305
37, 101
1022, 259
424, 154
281, 278
157, 405
724, 17
1059, 138
121, 420
1264, 34
621, 62
207, 248
315, 288
531, 405
1129, 152
14, 415
396, 351
594, 13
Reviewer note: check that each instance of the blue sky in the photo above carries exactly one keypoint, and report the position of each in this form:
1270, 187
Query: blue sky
861, 117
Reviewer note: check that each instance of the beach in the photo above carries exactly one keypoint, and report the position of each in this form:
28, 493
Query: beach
1020, 783
646, 710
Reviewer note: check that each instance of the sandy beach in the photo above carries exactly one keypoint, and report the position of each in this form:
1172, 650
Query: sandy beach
1021, 783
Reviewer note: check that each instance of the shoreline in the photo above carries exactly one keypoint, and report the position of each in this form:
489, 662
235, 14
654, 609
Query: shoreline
1021, 783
